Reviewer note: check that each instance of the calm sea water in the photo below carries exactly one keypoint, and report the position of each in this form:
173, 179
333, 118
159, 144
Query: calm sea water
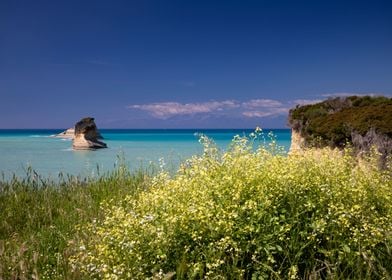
49, 156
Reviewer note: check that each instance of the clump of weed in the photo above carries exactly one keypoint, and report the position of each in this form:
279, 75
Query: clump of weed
38, 217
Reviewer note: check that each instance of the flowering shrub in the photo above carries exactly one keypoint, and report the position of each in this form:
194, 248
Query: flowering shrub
248, 214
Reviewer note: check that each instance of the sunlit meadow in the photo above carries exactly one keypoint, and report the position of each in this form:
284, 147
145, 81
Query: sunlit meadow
247, 213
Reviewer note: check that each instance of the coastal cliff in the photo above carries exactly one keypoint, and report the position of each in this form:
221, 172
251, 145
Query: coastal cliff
297, 141
363, 122
87, 135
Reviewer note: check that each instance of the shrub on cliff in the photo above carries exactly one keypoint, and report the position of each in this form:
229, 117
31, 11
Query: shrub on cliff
248, 214
334, 121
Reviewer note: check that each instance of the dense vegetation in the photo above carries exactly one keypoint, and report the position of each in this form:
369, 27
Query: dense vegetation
247, 214
334, 121
38, 218
241, 214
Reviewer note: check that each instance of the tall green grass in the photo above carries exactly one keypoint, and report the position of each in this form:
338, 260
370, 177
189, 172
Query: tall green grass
246, 214
38, 218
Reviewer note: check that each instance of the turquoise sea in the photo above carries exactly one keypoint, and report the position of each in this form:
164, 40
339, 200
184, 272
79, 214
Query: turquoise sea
48, 156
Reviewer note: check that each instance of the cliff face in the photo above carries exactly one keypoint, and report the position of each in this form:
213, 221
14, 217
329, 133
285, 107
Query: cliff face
363, 122
297, 141
87, 135
382, 142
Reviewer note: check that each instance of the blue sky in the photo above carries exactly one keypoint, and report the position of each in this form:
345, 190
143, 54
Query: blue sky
186, 64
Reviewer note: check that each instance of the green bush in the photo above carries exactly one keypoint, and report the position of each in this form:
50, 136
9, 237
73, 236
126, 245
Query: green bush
332, 122
248, 214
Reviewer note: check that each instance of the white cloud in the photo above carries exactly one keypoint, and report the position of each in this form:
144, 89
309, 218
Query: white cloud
343, 94
255, 114
166, 110
266, 113
261, 103
255, 108
305, 101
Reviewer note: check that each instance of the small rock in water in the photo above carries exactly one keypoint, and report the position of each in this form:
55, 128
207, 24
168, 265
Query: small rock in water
87, 135
67, 134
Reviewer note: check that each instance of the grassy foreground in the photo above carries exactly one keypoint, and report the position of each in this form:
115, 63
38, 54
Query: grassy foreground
38, 218
241, 214
248, 214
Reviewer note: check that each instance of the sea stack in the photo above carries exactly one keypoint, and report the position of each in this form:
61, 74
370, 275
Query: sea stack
87, 136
